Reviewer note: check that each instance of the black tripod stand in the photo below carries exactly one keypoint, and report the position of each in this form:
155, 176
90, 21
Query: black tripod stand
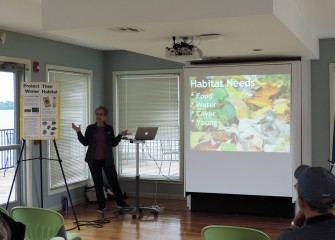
40, 158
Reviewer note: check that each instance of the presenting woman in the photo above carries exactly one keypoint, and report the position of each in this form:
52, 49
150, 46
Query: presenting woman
100, 138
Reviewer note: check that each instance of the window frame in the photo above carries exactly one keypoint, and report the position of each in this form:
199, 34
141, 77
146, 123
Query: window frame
52, 191
23, 185
116, 111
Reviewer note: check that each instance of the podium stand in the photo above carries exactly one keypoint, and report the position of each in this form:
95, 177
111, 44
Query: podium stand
40, 158
138, 208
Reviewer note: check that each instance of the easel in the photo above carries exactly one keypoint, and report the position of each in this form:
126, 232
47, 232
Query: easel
40, 158
138, 208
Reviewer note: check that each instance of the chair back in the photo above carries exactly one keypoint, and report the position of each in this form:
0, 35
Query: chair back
169, 146
41, 224
4, 210
218, 232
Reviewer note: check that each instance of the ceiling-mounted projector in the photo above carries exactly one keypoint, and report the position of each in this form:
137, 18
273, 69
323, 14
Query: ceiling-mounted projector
182, 54
183, 51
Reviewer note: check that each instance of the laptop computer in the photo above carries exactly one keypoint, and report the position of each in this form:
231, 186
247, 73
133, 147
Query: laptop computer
146, 133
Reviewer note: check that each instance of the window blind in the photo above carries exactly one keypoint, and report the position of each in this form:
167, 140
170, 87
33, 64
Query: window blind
74, 109
150, 100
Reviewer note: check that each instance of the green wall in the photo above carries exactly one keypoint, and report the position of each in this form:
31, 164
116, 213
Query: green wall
320, 103
129, 61
51, 52
104, 64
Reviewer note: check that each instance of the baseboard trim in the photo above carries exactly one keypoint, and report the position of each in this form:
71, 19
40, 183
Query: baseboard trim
160, 196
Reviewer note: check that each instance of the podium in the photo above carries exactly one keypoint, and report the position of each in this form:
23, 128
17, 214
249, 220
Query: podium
137, 209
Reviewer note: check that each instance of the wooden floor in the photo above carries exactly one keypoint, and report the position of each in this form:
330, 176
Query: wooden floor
175, 222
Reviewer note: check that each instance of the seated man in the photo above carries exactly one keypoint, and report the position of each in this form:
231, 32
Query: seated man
5, 232
13, 230
316, 197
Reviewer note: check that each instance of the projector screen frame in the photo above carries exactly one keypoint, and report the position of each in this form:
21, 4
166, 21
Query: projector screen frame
242, 178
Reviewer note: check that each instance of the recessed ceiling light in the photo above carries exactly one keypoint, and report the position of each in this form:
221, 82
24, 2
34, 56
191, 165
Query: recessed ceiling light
126, 29
211, 37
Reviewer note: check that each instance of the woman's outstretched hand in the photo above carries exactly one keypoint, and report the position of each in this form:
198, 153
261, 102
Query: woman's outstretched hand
77, 129
124, 132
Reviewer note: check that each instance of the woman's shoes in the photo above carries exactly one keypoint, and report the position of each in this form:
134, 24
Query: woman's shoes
122, 205
102, 209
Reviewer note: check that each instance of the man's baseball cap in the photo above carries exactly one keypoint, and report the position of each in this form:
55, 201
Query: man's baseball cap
316, 185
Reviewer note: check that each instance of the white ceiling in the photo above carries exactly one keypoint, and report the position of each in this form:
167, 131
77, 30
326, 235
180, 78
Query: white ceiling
280, 28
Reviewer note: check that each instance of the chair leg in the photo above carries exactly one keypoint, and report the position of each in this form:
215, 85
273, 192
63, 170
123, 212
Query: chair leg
5, 168
170, 165
160, 168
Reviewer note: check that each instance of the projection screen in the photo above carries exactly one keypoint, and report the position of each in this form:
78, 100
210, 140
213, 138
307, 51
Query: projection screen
242, 128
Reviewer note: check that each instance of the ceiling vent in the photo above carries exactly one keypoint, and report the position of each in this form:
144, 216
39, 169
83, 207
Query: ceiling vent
126, 29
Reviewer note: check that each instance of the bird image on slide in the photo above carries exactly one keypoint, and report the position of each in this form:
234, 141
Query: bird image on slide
268, 124
267, 121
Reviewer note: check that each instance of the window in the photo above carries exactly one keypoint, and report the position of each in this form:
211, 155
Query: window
149, 99
74, 95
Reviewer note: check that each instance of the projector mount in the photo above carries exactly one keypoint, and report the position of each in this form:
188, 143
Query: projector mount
184, 47
183, 51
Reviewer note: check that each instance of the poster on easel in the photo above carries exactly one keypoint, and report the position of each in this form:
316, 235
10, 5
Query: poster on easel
40, 111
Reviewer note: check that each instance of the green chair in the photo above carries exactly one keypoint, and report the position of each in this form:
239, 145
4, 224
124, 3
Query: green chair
218, 232
41, 223
4, 210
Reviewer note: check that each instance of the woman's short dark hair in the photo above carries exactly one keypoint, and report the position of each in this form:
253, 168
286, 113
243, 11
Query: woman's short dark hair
104, 109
